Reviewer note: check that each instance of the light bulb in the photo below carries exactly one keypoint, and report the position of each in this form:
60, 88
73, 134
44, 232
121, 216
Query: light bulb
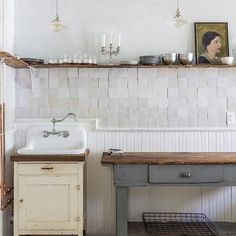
56, 25
178, 22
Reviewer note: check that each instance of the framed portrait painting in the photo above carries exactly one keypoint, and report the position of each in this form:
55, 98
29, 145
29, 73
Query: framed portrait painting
211, 42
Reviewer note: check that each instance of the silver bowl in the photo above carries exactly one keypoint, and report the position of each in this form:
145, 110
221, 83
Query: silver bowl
186, 58
169, 58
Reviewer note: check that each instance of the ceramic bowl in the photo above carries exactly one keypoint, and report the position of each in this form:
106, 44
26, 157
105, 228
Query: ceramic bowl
227, 60
130, 62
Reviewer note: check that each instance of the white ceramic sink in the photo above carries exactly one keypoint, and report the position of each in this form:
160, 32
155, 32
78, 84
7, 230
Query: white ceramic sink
35, 143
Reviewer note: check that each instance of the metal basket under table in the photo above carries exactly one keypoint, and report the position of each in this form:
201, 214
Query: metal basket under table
178, 224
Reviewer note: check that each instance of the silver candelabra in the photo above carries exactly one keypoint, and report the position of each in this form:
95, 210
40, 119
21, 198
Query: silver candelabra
110, 51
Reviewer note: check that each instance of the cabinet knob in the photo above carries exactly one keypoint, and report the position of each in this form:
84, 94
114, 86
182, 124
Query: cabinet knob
185, 174
21, 200
47, 168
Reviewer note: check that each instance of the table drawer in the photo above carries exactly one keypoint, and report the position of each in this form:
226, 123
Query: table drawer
185, 173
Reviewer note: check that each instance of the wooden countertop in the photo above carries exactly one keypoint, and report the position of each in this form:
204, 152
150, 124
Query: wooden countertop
50, 157
175, 158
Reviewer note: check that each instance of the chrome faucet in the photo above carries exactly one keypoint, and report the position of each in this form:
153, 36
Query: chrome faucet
63, 133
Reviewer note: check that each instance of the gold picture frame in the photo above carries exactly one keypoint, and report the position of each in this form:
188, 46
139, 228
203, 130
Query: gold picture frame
211, 42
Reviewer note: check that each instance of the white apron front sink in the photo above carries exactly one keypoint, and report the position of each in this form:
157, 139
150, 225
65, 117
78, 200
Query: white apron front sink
35, 143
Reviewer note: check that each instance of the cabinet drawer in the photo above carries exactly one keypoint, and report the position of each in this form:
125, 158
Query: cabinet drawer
47, 168
185, 173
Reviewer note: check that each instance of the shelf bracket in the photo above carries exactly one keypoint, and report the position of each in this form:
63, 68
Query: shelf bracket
2, 60
32, 76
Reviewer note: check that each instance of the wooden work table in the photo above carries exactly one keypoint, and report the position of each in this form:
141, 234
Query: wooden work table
164, 158
160, 168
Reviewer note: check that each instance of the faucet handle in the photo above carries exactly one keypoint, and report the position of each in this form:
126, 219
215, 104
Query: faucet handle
45, 133
64, 134
54, 120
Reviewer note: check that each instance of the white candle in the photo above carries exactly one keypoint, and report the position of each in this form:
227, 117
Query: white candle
119, 40
111, 38
104, 40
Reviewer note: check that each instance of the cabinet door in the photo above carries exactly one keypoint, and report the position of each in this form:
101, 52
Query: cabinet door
48, 202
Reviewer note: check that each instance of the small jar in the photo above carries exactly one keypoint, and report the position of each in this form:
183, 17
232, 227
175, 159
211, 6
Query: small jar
75, 59
85, 59
90, 61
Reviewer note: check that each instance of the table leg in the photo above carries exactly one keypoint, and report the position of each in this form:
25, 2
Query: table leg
121, 211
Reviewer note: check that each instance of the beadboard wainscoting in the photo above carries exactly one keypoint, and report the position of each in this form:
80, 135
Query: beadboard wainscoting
130, 97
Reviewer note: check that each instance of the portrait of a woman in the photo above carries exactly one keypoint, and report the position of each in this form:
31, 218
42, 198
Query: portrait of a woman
211, 42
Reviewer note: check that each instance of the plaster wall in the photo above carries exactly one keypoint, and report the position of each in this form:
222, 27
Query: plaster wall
141, 22
7, 25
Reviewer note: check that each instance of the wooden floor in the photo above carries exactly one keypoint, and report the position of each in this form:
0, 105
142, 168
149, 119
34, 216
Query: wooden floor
137, 229
224, 229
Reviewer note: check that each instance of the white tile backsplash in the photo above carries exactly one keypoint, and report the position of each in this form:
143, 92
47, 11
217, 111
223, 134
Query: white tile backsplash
63, 73
53, 78
130, 97
73, 73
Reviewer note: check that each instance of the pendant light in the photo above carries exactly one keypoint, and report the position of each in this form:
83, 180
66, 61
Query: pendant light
178, 21
56, 25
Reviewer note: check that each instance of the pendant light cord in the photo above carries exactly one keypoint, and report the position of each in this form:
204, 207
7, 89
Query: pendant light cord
57, 9
178, 11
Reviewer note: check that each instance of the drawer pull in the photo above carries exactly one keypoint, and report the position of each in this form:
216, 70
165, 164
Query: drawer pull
47, 168
185, 174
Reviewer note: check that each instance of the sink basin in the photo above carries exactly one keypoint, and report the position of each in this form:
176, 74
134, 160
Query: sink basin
35, 143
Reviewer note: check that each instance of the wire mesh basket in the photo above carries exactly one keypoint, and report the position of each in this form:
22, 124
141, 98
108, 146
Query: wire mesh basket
178, 224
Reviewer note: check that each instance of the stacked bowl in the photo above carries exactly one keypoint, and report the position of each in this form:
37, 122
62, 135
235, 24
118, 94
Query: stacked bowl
149, 60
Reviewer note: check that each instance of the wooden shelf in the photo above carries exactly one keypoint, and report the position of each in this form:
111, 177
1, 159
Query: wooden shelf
130, 66
16, 63
12, 61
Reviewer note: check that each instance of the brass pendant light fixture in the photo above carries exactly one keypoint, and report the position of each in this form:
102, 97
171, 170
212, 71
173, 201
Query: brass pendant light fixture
178, 21
56, 25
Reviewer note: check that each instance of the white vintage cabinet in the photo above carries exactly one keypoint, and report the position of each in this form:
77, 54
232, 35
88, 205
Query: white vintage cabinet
48, 198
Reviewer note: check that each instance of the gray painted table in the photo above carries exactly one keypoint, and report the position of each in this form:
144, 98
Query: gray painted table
153, 168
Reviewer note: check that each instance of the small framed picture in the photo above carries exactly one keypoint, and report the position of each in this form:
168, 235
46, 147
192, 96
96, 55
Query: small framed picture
211, 42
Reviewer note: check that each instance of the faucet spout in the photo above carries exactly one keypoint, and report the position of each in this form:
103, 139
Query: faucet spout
71, 114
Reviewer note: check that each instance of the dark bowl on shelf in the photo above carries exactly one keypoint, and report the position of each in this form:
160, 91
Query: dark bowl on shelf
149, 60
33, 61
